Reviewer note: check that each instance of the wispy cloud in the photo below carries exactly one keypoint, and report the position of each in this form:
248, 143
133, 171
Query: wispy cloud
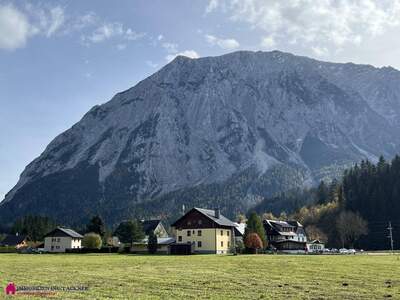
227, 44
172, 50
187, 53
313, 24
109, 31
17, 25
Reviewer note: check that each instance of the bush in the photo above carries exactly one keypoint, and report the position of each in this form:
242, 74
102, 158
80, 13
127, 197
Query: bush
92, 241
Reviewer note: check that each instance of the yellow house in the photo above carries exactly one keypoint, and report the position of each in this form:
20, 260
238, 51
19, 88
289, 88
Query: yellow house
206, 231
61, 239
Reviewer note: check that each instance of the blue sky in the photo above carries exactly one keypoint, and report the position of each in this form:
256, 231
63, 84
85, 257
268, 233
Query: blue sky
60, 58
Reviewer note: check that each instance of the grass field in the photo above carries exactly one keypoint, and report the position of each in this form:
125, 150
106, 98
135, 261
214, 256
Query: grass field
116, 276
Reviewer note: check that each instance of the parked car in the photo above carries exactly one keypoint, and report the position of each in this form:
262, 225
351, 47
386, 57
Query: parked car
334, 250
343, 251
352, 251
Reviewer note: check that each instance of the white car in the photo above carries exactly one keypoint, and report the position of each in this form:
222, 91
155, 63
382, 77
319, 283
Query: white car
351, 251
343, 251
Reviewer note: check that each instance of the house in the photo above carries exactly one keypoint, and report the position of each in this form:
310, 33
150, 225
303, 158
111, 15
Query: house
17, 241
315, 246
154, 226
286, 236
162, 242
205, 231
61, 239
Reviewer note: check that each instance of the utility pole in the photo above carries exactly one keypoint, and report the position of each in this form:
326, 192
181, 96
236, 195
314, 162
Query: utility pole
390, 236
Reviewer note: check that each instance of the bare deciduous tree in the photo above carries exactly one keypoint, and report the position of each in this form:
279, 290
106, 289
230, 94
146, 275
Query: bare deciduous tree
350, 226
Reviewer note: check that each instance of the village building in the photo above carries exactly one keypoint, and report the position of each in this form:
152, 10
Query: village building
61, 239
163, 240
286, 236
155, 226
17, 241
163, 244
203, 231
315, 246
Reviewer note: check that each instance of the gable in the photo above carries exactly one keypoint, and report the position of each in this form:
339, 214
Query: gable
194, 219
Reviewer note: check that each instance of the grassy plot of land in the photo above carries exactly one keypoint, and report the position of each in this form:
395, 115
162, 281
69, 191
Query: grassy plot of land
117, 276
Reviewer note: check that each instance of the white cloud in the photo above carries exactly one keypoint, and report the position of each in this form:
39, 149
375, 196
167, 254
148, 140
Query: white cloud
325, 23
18, 24
14, 28
187, 53
57, 19
212, 5
268, 42
170, 47
160, 37
227, 44
320, 51
105, 32
109, 31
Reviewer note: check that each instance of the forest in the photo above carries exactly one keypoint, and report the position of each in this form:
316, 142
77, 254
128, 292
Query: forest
354, 211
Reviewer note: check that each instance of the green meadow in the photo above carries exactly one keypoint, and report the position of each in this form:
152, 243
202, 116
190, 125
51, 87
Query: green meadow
117, 276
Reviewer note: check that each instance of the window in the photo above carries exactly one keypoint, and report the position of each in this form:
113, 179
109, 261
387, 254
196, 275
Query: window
222, 243
227, 233
52, 247
189, 233
229, 244
198, 232
180, 238
58, 239
199, 244
222, 232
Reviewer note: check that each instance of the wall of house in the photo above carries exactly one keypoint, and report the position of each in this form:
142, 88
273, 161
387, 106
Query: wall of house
213, 240
60, 244
160, 231
315, 247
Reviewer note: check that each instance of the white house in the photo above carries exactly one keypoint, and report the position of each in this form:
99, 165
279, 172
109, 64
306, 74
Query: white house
286, 236
61, 239
315, 246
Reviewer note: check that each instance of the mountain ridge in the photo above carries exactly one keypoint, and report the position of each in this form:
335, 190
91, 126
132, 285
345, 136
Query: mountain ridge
203, 122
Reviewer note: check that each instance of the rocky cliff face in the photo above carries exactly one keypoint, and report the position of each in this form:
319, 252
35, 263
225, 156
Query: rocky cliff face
224, 131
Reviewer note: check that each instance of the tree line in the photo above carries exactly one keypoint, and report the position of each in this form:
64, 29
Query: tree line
353, 211
96, 234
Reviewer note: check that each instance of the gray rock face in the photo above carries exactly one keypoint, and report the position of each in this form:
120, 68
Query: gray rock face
244, 125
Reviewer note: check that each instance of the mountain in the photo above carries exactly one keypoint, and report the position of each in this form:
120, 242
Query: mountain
223, 131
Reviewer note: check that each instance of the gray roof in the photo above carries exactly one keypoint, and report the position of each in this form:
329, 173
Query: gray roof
67, 231
223, 221
13, 240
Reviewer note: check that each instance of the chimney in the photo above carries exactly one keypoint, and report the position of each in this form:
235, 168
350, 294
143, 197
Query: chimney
217, 213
